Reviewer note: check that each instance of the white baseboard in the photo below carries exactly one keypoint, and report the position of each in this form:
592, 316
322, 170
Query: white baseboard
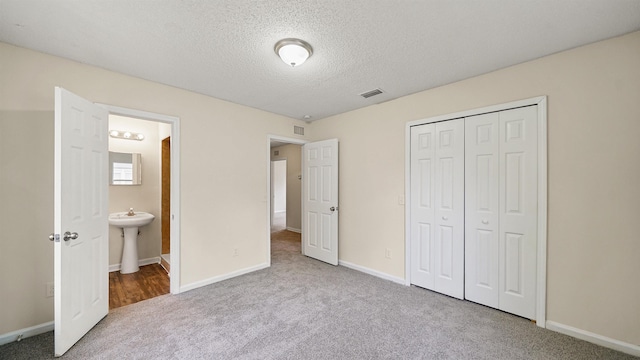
294, 230
594, 338
141, 262
26, 332
372, 272
219, 278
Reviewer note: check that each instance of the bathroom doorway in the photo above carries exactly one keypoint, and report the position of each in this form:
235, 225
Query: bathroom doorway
163, 128
142, 140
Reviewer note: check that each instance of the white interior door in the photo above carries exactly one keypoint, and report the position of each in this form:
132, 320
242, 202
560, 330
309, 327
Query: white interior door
320, 200
518, 210
81, 296
501, 210
423, 152
481, 209
449, 210
437, 224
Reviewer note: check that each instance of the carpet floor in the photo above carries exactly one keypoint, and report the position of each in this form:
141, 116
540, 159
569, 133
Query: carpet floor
300, 308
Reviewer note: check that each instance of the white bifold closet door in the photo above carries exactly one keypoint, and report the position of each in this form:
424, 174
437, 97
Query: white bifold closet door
437, 207
501, 210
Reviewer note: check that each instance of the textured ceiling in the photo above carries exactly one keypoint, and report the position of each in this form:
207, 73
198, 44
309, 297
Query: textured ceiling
225, 48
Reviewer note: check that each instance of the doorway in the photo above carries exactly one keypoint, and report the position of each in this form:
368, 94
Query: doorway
174, 171
144, 276
81, 172
284, 188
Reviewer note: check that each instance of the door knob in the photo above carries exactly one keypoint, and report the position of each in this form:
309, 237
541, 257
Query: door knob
70, 236
445, 218
333, 208
54, 237
485, 222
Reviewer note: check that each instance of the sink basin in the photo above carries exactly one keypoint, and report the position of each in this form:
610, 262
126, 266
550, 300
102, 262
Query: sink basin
121, 219
130, 225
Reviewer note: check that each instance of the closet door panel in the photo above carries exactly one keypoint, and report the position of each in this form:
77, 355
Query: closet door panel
422, 205
449, 208
518, 210
481, 209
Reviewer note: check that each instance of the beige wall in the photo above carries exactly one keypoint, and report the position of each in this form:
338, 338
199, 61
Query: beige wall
221, 192
26, 202
593, 167
145, 197
293, 154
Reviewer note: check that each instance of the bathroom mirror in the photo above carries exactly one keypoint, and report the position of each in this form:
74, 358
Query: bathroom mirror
125, 168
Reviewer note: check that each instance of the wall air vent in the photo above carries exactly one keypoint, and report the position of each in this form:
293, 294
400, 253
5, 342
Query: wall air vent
299, 130
370, 93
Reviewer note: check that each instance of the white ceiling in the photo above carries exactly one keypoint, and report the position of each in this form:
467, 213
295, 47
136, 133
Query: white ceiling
224, 48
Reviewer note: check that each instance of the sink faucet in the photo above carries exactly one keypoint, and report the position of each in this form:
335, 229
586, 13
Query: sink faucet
130, 213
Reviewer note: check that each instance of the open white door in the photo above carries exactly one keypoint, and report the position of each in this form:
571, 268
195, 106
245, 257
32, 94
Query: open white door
320, 200
81, 229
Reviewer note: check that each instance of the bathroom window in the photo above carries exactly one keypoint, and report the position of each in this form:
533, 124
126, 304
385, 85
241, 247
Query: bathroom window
122, 174
125, 168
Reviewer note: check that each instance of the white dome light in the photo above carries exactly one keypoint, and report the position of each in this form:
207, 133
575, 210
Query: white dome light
293, 52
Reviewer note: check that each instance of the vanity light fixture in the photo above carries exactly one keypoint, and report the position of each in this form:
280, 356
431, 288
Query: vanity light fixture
128, 135
293, 51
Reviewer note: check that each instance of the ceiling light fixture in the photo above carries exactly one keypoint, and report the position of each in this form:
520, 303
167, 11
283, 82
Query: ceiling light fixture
293, 52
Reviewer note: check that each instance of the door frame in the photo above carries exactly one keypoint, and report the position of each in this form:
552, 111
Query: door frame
175, 181
269, 220
541, 273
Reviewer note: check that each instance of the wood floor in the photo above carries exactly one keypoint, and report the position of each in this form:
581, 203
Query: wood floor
125, 289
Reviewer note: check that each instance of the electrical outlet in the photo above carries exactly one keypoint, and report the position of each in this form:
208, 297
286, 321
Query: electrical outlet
49, 290
387, 253
235, 252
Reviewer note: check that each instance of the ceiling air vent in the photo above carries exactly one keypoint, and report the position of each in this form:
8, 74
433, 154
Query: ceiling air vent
298, 130
370, 93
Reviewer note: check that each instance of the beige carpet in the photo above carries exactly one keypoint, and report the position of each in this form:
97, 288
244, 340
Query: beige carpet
300, 308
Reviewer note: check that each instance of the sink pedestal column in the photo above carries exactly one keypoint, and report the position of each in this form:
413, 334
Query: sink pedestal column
130, 251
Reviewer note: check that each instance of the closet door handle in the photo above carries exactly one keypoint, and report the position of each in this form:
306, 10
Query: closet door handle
486, 222
445, 218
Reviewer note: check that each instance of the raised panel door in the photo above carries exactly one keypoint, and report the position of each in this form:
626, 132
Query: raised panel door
449, 208
518, 210
81, 265
422, 208
437, 207
320, 201
481, 209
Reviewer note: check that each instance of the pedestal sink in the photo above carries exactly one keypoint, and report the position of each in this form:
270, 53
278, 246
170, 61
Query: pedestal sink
130, 225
